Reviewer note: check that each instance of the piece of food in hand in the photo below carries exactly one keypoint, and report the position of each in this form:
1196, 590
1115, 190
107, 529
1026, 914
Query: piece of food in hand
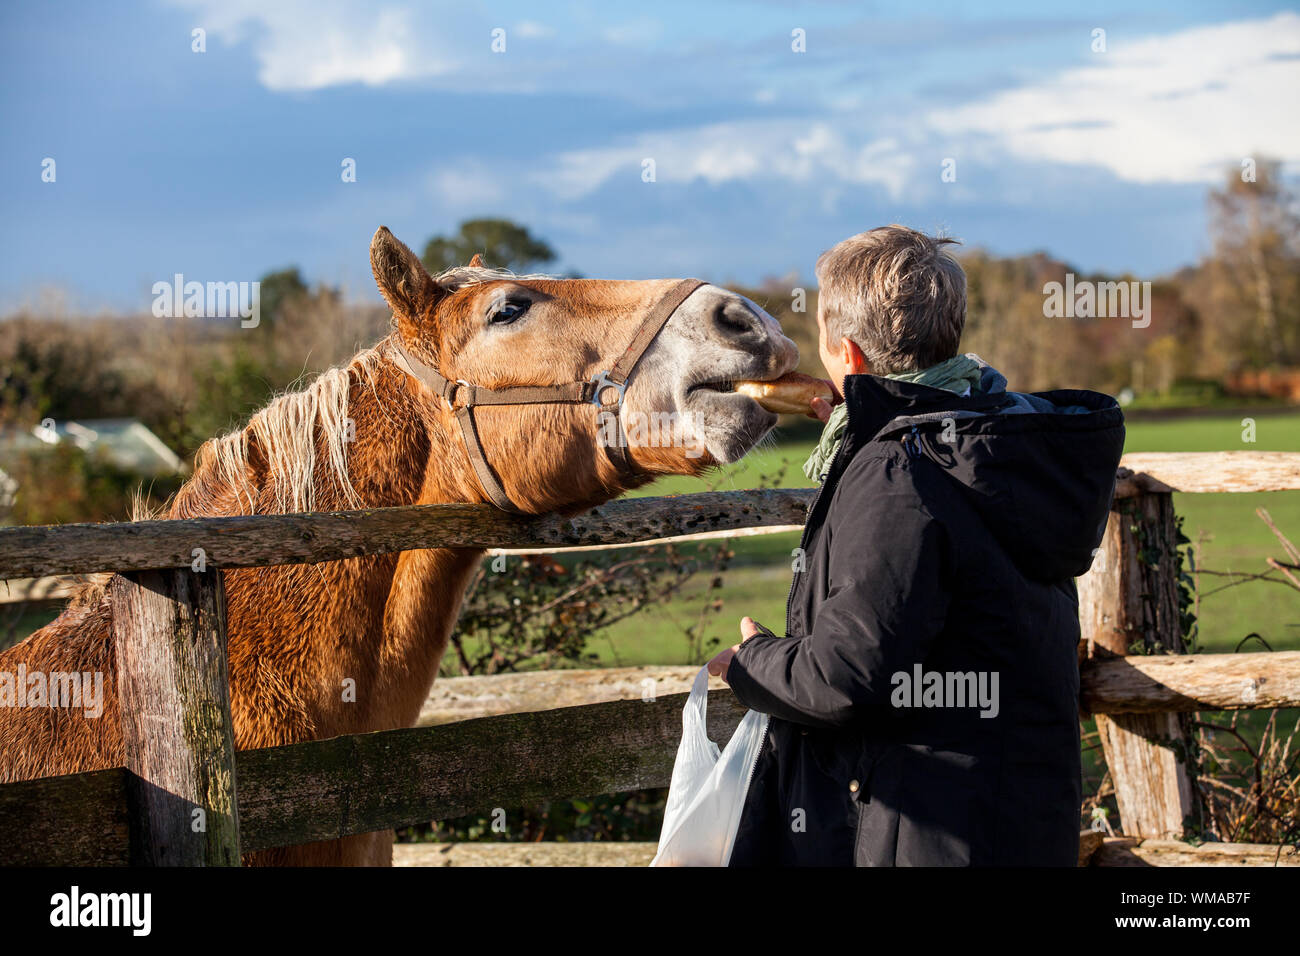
790, 394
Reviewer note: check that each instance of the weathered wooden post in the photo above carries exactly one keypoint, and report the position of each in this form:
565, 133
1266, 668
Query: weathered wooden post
169, 629
1128, 605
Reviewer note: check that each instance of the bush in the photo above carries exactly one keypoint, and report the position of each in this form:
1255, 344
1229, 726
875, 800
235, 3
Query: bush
65, 484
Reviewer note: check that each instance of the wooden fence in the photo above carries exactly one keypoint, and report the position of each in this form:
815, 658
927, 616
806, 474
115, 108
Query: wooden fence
169, 631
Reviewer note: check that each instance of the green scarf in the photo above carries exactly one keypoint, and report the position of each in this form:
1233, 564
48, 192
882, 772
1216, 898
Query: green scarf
954, 375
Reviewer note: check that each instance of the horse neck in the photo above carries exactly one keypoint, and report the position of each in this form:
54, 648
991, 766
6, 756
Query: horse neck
346, 646
299, 633
407, 453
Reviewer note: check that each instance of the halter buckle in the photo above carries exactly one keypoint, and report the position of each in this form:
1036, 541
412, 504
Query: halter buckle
602, 381
452, 389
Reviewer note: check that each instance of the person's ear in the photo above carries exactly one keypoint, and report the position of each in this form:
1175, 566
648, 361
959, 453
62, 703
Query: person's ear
853, 358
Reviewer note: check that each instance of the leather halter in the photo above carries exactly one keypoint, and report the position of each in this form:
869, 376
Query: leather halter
461, 397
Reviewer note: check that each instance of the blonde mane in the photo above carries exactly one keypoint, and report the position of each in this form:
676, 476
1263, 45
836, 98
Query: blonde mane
286, 433
460, 277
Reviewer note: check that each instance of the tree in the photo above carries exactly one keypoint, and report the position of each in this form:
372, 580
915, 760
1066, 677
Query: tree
501, 243
278, 288
1254, 296
51, 369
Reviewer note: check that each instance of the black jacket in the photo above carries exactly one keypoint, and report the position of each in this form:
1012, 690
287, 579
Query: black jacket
945, 539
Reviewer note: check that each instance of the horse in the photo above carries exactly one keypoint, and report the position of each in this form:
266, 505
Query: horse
389, 428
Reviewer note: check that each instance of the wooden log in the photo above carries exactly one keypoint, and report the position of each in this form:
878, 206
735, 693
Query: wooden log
394, 778
1129, 605
1136, 684
169, 630
726, 533
1122, 851
47, 590
1158, 684
52, 589
328, 788
73, 820
1129, 484
1095, 850
264, 540
463, 698
332, 788
1090, 842
1215, 471
523, 854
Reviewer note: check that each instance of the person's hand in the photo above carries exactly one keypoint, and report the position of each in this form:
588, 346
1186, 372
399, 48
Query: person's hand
821, 410
721, 662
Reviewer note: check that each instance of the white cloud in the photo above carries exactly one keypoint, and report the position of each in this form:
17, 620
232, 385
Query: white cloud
531, 29
1173, 108
643, 32
753, 150
304, 45
464, 188
1169, 109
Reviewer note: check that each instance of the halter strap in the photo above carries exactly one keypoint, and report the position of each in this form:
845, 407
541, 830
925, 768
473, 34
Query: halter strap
461, 396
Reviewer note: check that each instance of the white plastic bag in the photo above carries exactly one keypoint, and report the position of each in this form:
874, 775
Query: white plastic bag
708, 789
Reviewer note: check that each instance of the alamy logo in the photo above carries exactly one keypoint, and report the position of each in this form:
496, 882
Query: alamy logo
1098, 300
214, 300
57, 689
946, 689
74, 908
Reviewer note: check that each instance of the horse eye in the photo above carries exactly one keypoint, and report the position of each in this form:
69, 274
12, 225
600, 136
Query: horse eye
507, 312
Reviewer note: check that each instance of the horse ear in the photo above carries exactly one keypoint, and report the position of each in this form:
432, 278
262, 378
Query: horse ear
476, 262
409, 290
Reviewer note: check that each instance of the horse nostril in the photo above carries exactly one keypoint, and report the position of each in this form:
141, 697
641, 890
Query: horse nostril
733, 318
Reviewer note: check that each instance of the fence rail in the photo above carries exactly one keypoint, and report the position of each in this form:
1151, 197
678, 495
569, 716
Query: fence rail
247, 541
323, 789
169, 631
1134, 685
1211, 472
263, 540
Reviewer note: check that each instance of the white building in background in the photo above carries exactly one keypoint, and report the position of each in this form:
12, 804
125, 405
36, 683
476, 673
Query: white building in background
126, 442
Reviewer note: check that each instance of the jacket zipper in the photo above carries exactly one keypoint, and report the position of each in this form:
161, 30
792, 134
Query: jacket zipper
913, 448
803, 540
803, 535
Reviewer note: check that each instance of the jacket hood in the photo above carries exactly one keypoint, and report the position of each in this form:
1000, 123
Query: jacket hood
1039, 468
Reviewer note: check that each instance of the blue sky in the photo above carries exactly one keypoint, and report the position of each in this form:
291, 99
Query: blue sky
225, 164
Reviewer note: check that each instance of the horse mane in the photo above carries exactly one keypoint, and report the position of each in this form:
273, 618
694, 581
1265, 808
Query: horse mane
459, 277
286, 432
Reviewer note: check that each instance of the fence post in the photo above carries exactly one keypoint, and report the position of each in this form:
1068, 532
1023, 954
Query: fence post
169, 629
1128, 604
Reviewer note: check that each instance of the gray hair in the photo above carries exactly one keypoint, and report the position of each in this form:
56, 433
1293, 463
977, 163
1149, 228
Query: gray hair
896, 294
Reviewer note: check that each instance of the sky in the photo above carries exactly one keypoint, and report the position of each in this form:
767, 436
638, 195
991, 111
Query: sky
228, 163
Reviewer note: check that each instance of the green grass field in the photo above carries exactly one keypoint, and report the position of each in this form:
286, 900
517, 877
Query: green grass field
1230, 538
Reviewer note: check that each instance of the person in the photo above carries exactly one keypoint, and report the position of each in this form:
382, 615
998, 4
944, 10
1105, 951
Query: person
924, 698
